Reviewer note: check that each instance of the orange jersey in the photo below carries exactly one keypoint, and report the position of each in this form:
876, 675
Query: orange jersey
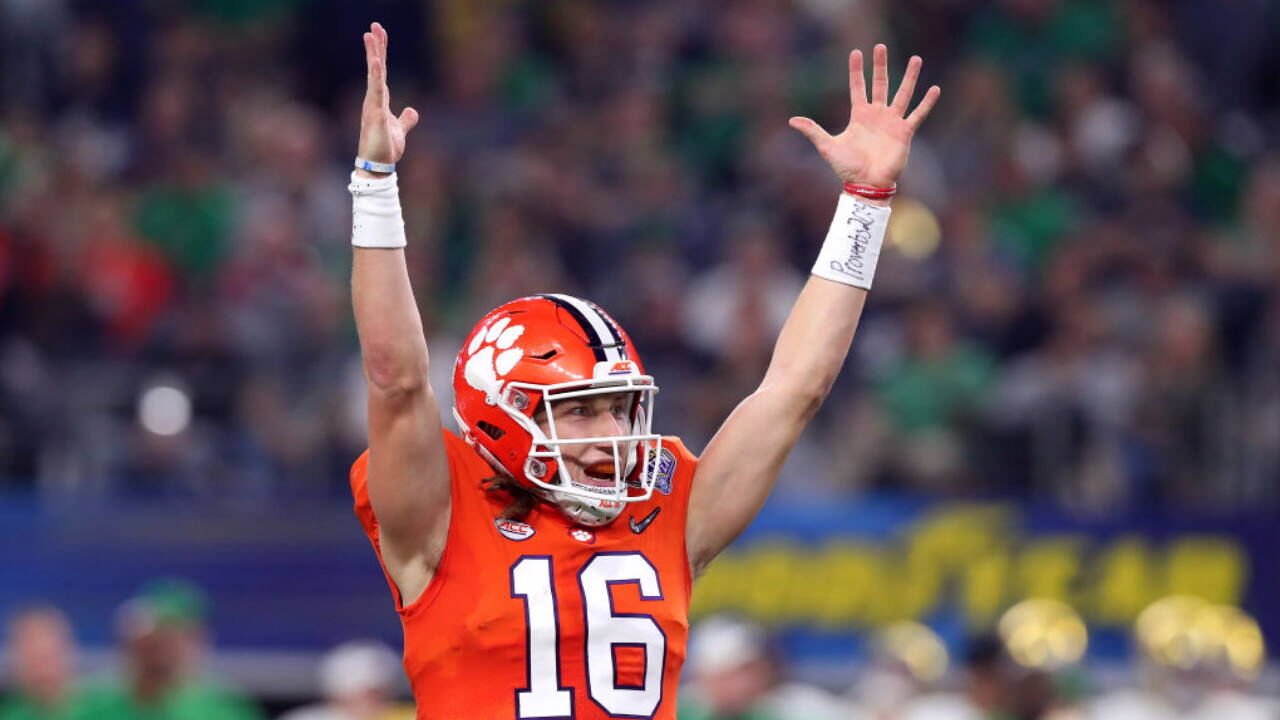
545, 618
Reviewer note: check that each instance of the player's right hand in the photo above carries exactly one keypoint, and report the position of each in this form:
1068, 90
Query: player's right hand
381, 133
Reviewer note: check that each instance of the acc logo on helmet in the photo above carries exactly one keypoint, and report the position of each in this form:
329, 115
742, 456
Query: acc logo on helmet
615, 368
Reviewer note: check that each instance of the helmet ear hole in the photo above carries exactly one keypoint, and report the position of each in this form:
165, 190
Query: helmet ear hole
493, 431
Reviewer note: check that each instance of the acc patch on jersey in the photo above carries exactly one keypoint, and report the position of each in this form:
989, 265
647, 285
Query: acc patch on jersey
513, 529
663, 468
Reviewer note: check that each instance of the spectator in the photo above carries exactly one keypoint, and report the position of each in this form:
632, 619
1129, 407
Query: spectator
987, 687
735, 677
357, 680
929, 394
907, 661
42, 651
1180, 679
163, 640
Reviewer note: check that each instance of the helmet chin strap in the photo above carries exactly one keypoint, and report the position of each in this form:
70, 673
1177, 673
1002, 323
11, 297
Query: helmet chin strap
584, 511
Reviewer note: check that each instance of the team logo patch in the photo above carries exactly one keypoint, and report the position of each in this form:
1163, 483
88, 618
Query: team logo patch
663, 468
583, 535
513, 529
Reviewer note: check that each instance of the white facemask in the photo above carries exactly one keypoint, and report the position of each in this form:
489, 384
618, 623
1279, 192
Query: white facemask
626, 449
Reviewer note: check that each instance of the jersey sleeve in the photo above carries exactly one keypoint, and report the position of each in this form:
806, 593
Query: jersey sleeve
675, 470
369, 521
360, 492
677, 479
454, 447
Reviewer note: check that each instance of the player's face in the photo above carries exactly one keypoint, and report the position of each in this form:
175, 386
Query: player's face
593, 416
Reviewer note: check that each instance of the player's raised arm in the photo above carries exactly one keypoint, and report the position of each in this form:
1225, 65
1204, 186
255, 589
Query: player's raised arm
738, 469
408, 471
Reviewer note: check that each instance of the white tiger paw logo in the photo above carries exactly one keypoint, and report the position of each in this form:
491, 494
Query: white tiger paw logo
491, 356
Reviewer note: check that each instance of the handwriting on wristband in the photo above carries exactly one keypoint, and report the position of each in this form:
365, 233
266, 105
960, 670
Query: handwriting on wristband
859, 235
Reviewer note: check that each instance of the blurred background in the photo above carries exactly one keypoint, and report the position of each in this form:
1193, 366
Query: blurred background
1066, 386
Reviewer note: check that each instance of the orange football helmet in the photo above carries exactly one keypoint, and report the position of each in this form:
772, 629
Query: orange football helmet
537, 350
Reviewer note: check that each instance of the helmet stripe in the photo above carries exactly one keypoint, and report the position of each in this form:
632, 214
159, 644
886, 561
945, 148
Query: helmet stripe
613, 332
578, 310
609, 340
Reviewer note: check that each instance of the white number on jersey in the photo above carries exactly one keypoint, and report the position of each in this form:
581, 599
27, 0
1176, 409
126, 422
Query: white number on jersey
543, 698
532, 579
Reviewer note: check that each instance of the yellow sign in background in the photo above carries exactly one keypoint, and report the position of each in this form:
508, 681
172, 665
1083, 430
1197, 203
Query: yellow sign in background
973, 559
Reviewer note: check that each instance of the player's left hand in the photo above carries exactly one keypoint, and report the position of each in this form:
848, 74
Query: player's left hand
873, 149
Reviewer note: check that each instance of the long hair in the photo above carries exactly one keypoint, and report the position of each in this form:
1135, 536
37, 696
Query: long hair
522, 499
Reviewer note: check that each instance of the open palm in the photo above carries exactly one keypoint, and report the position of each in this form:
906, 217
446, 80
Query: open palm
382, 134
873, 149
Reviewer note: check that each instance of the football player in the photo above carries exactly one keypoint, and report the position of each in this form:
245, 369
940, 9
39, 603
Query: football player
541, 559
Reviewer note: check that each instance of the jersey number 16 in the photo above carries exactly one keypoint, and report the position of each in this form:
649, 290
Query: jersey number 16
543, 696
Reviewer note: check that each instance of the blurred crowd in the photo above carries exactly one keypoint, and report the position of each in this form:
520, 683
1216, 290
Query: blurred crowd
1192, 661
1079, 303
734, 674
159, 670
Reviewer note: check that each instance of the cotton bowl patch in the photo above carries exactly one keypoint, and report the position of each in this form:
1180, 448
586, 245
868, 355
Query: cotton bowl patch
513, 529
662, 468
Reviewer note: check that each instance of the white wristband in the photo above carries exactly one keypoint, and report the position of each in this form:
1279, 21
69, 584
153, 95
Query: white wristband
852, 247
376, 221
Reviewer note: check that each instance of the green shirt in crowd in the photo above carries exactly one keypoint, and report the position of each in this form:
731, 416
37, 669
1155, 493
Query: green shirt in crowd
22, 707
696, 711
922, 393
192, 701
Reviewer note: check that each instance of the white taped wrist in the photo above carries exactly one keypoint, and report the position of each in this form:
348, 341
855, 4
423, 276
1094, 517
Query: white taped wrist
376, 221
852, 247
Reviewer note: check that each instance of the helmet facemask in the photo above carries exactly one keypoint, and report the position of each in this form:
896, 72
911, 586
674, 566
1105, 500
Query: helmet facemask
546, 469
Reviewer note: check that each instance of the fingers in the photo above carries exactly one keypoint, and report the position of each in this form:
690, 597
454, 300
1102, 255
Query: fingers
376, 91
908, 87
811, 130
921, 112
380, 34
857, 82
408, 119
880, 76
375, 52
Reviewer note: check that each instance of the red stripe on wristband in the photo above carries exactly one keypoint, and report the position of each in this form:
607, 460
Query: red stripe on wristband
871, 192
